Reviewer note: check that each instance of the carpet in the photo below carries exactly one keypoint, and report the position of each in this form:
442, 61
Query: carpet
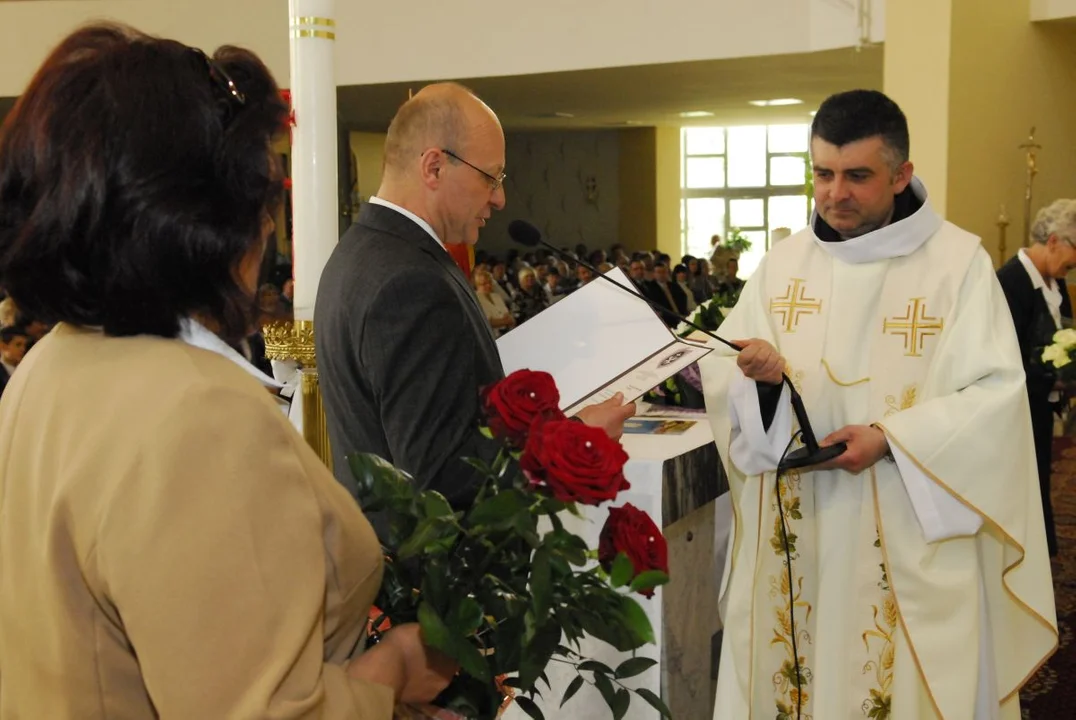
1051, 694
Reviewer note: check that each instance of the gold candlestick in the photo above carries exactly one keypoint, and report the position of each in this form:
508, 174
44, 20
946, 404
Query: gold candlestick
1003, 224
1032, 170
285, 340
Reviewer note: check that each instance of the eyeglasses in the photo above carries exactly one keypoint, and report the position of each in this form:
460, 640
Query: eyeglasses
495, 182
221, 79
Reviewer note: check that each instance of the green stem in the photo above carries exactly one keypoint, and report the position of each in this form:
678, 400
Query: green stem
494, 553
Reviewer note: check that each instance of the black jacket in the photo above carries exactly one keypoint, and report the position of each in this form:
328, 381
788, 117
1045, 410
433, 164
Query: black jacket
403, 349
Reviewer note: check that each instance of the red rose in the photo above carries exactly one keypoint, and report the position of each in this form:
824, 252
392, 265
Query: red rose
629, 530
513, 404
575, 462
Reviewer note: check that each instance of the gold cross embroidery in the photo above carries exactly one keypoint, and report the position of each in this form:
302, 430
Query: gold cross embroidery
915, 326
793, 304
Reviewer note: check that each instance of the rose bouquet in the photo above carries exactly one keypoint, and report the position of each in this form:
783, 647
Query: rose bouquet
500, 585
1060, 353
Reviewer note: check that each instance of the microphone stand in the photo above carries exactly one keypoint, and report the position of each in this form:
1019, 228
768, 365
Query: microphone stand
811, 453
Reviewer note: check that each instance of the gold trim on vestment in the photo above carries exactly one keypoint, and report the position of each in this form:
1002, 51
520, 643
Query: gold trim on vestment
754, 581
311, 20
322, 34
1004, 573
829, 371
896, 598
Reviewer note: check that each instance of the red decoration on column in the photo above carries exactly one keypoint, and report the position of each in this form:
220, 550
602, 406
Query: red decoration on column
285, 95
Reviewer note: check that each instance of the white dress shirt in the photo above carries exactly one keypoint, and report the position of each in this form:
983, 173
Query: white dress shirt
1050, 289
412, 216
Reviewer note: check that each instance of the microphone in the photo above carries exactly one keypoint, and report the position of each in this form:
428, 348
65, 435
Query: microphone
811, 453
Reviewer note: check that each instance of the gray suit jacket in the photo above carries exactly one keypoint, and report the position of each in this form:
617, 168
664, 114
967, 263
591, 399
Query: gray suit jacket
403, 350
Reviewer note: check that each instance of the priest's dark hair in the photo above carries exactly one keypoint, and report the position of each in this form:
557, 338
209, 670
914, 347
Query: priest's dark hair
135, 175
855, 115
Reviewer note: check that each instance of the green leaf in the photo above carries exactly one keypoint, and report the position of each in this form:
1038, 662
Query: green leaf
480, 466
622, 572
434, 588
434, 631
595, 667
507, 638
634, 666
471, 660
655, 702
486, 432
433, 535
636, 619
567, 651
609, 631
648, 580
541, 583
527, 705
573, 688
568, 545
500, 510
375, 477
605, 687
537, 653
437, 634
502, 464
435, 505
465, 617
620, 704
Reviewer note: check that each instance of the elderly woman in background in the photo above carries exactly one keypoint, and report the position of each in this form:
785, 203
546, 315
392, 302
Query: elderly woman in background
170, 546
497, 312
531, 298
1034, 285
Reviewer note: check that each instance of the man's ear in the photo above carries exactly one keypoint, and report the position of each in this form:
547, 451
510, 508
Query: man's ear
431, 167
903, 176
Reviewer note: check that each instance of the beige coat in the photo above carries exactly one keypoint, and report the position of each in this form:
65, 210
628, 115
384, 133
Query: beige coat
169, 546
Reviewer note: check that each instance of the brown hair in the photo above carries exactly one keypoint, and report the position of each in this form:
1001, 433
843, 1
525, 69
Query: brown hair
135, 173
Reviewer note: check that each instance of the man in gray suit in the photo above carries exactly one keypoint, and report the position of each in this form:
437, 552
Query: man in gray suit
403, 347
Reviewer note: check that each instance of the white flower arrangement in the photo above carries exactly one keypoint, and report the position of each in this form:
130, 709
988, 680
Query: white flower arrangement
1060, 353
683, 330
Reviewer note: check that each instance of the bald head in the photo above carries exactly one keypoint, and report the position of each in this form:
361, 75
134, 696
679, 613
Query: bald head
444, 162
438, 116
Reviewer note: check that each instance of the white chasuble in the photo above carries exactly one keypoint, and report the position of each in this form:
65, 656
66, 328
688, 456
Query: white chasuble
921, 588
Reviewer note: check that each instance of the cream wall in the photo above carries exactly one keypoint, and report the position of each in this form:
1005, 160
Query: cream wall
1029, 78
29, 30
650, 190
667, 184
430, 39
916, 76
1052, 9
368, 151
638, 191
973, 78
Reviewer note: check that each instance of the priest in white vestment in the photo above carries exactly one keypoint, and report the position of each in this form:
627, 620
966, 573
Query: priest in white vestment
920, 582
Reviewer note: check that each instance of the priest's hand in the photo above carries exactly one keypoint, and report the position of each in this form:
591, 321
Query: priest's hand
609, 415
866, 446
760, 361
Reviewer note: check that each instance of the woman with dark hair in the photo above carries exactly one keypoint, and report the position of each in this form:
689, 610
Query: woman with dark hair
170, 546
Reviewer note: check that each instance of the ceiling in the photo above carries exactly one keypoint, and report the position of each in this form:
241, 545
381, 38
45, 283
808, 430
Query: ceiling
645, 94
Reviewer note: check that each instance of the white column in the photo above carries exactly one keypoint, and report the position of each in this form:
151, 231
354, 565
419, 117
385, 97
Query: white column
315, 228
